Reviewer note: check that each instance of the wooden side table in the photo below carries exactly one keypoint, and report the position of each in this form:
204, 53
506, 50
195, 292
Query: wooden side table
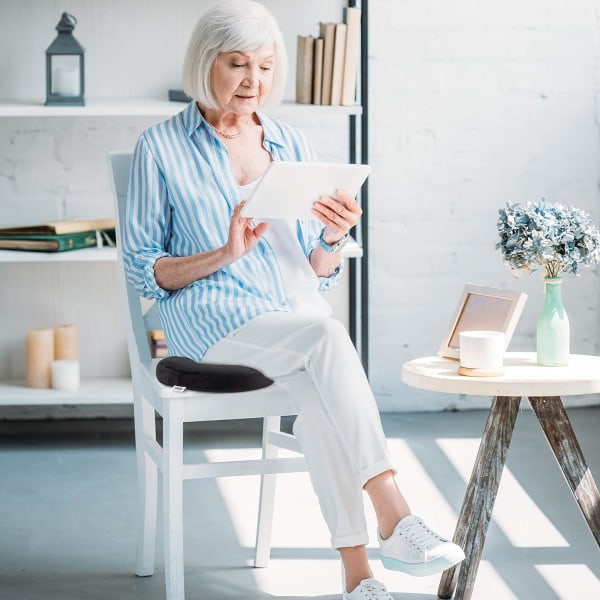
543, 387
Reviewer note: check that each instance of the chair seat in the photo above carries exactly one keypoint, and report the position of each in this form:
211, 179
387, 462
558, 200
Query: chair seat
206, 406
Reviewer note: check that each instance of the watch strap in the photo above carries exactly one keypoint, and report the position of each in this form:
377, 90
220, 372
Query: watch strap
336, 246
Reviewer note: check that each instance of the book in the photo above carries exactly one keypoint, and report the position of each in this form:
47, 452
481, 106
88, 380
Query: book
52, 243
327, 32
337, 74
60, 227
160, 352
178, 96
158, 343
304, 68
351, 56
317, 71
157, 335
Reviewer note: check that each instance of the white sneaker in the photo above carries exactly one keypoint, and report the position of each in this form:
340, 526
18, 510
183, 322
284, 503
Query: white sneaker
369, 589
415, 549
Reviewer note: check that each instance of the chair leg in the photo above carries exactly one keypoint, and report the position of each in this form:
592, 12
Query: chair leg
173, 499
145, 428
267, 497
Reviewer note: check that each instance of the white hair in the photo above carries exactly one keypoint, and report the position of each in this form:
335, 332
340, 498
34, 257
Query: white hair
232, 26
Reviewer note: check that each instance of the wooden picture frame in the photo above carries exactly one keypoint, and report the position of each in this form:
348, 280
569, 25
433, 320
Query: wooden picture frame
483, 308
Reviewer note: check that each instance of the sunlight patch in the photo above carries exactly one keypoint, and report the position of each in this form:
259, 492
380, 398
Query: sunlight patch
515, 512
421, 491
571, 581
297, 521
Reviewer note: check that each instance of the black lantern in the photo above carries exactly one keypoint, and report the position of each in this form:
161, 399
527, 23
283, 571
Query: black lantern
64, 66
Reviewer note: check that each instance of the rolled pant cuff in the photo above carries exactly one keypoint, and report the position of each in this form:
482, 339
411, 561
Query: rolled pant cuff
348, 541
376, 469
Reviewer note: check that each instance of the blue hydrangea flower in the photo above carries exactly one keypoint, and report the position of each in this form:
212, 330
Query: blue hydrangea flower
554, 237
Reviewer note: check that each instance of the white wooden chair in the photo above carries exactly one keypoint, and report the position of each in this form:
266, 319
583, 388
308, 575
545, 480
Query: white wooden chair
176, 408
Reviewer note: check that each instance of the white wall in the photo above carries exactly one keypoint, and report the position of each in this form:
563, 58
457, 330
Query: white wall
473, 102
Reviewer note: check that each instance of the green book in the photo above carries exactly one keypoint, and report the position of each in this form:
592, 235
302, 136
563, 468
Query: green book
55, 243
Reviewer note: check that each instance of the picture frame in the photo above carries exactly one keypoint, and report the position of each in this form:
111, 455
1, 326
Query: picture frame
483, 308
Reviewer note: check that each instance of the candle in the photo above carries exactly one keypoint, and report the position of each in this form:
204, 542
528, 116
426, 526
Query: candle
65, 375
65, 81
40, 353
481, 349
66, 342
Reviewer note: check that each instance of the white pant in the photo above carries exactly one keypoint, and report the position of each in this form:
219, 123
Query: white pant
338, 424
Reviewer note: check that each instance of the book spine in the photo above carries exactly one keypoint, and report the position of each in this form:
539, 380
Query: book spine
327, 32
49, 243
76, 241
339, 50
304, 68
318, 72
351, 56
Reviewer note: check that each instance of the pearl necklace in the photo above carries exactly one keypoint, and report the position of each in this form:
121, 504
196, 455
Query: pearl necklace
228, 136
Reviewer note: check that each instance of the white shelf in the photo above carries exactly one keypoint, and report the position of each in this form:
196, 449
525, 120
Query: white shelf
131, 107
352, 249
125, 107
103, 254
92, 391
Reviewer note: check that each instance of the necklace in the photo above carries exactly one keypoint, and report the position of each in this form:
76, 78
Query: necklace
228, 136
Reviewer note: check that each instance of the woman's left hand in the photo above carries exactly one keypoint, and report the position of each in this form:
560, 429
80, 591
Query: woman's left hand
338, 215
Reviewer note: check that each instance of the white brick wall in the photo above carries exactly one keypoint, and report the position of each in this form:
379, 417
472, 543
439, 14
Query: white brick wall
473, 103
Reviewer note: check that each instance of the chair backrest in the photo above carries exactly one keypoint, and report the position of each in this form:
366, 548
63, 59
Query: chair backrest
141, 315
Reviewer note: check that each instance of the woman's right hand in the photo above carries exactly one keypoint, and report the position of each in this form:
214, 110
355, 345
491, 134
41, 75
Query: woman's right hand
242, 235
176, 272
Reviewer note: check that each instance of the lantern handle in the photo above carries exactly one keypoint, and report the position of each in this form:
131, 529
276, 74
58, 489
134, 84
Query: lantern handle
67, 23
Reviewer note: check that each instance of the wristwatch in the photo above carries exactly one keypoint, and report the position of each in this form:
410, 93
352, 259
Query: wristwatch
336, 246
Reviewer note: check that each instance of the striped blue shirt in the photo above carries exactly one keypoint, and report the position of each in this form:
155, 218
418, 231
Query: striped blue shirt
182, 193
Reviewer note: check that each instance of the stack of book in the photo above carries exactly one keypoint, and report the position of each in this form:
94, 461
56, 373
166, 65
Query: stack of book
59, 236
158, 343
326, 66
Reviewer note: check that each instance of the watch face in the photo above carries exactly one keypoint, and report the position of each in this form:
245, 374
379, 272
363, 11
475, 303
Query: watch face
336, 246
339, 244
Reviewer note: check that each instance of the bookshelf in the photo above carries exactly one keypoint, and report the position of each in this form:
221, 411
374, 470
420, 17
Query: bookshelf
84, 255
94, 267
99, 390
136, 107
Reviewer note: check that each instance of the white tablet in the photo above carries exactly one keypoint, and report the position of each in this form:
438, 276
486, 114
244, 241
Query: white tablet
288, 190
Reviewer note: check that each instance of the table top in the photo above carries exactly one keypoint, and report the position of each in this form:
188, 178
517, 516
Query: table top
522, 377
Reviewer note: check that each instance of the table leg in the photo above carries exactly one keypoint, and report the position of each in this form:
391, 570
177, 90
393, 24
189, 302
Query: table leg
557, 428
480, 496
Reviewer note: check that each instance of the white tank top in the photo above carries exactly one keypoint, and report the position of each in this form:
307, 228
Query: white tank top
299, 279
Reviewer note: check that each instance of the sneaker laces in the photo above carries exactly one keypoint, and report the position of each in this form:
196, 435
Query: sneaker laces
419, 535
376, 590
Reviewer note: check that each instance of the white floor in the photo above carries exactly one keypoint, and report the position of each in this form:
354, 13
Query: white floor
67, 505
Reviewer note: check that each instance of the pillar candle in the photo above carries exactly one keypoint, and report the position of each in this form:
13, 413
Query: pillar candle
40, 353
65, 375
66, 342
481, 349
65, 82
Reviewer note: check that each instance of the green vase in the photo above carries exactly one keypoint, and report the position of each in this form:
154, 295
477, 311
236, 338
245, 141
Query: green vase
553, 327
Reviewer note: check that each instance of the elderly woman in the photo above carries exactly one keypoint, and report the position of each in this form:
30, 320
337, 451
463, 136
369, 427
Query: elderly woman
230, 289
